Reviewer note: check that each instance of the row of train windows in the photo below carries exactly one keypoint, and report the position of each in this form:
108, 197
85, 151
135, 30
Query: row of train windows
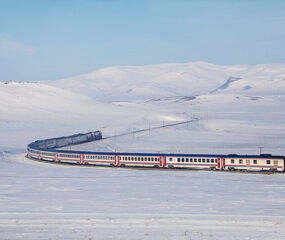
35, 152
240, 161
200, 160
47, 154
69, 155
141, 159
100, 157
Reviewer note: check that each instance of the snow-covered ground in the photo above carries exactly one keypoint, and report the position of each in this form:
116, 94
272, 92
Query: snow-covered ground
44, 201
240, 108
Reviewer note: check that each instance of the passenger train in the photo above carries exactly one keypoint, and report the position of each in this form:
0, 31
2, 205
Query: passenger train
46, 150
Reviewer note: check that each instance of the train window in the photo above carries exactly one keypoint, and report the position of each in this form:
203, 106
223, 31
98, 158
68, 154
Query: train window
132, 158
148, 159
135, 158
195, 159
199, 159
170, 159
151, 159
232, 161
240, 161
186, 159
178, 159
254, 161
216, 160
267, 161
182, 159
212, 160
191, 159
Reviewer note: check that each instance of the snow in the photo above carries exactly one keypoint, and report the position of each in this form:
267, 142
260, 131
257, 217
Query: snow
45, 201
42, 201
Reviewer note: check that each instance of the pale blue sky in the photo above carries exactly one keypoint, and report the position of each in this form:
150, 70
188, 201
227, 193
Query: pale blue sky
52, 39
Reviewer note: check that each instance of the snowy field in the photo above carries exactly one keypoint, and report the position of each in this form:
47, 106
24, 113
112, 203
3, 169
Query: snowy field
236, 110
45, 201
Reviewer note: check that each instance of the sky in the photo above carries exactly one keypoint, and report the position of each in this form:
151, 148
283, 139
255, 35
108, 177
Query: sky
53, 39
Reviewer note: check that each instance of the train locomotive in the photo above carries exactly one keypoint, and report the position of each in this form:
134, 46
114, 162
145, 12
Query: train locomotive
46, 150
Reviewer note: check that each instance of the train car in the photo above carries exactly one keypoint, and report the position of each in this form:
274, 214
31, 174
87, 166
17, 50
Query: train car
47, 155
68, 157
195, 161
33, 153
140, 160
104, 159
263, 162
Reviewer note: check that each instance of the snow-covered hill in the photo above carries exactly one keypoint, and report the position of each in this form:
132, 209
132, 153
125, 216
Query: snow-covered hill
117, 99
167, 80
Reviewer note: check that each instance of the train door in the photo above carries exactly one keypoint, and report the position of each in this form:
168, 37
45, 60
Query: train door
221, 162
247, 162
162, 161
275, 162
81, 159
117, 160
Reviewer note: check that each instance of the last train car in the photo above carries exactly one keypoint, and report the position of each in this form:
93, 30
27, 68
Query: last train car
263, 162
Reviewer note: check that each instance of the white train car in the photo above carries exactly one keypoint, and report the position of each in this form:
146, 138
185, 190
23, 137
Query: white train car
254, 163
139, 160
212, 162
104, 159
47, 155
